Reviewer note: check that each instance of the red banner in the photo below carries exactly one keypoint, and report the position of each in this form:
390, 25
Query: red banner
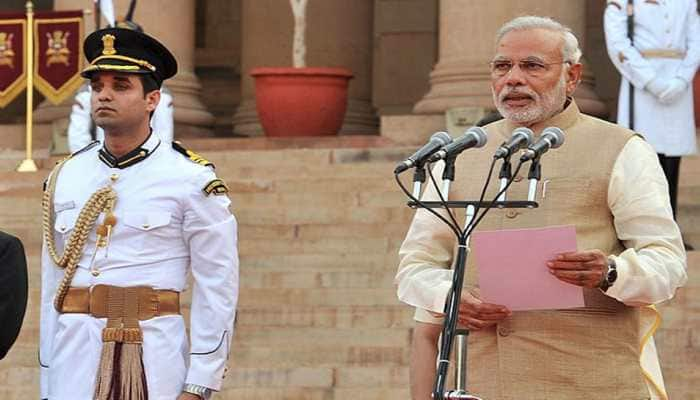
58, 53
13, 77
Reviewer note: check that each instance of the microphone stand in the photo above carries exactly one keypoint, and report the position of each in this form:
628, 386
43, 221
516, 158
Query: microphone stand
451, 310
450, 333
533, 176
418, 179
504, 175
448, 174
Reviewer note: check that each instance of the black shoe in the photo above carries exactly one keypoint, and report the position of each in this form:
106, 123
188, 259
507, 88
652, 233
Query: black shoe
688, 247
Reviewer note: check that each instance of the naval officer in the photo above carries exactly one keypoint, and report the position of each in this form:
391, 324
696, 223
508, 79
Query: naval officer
125, 221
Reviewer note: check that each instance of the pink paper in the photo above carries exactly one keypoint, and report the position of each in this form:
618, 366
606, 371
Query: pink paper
513, 271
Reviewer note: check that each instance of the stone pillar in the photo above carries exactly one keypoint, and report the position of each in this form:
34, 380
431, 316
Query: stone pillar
172, 22
461, 76
338, 34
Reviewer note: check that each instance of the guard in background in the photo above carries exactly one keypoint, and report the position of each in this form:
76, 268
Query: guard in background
13, 290
655, 45
82, 129
125, 221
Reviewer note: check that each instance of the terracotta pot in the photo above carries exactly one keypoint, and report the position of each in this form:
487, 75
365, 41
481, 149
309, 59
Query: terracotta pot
301, 101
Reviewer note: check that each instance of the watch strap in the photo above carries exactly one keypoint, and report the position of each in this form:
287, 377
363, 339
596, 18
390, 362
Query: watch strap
610, 275
203, 392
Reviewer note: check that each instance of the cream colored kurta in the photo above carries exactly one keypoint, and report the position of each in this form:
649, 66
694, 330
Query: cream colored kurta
651, 265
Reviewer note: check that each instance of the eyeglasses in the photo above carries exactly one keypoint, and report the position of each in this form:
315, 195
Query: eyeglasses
532, 68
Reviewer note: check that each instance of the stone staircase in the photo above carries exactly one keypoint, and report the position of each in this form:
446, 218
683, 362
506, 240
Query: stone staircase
320, 223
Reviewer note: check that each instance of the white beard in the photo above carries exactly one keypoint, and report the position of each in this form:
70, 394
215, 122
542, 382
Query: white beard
543, 107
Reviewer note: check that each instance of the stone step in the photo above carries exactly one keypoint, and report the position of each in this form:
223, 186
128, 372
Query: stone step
290, 336
399, 392
315, 246
360, 278
306, 216
308, 184
264, 391
303, 198
320, 231
283, 355
322, 316
265, 297
316, 262
318, 377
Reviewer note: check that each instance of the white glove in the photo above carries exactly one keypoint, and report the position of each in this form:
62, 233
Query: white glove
657, 86
674, 91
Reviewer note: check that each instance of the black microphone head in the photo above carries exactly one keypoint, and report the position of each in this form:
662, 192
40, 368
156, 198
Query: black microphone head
556, 134
480, 135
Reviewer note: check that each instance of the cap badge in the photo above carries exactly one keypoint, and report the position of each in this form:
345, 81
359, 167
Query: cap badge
108, 44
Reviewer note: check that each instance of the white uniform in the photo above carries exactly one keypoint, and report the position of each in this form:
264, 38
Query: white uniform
659, 25
80, 123
166, 227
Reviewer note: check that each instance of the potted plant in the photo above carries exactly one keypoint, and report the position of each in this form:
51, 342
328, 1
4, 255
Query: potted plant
301, 100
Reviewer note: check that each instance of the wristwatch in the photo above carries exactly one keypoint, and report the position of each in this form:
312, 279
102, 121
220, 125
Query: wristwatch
203, 392
610, 276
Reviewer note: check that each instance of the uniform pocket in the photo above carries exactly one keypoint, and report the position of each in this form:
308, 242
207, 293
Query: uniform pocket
147, 221
148, 230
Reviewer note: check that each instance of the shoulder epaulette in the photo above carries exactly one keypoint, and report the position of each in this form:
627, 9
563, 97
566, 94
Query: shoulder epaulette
191, 155
86, 148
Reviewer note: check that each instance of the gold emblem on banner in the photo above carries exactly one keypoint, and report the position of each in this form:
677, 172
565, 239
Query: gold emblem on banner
108, 45
58, 51
7, 55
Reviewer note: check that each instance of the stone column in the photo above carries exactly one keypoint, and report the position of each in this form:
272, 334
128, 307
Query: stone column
338, 34
172, 22
461, 76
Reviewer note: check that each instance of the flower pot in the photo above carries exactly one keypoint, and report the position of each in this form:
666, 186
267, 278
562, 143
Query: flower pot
301, 101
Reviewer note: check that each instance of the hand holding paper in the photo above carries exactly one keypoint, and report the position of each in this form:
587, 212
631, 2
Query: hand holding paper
580, 268
474, 314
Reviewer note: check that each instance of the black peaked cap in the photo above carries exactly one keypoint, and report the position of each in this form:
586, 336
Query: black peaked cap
128, 51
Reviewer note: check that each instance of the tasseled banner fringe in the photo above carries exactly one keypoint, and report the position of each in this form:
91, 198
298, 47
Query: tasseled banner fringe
121, 375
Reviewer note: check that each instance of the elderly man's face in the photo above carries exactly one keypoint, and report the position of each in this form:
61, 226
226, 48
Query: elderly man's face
529, 79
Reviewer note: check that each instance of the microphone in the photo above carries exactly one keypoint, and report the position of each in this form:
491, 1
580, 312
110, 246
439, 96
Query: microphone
473, 137
551, 138
418, 158
521, 138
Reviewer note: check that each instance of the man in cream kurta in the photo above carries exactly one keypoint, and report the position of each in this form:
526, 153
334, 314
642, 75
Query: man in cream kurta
660, 65
593, 182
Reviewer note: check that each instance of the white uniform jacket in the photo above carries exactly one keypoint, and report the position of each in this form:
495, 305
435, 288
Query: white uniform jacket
80, 123
166, 226
659, 25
